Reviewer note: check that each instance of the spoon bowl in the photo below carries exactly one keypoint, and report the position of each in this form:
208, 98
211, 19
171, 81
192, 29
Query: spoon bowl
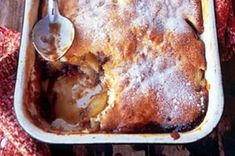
53, 35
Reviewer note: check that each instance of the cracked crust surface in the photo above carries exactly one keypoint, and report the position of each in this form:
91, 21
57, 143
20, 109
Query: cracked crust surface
156, 61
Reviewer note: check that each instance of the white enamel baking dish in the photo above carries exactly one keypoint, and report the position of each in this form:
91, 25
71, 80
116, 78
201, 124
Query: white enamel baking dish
213, 76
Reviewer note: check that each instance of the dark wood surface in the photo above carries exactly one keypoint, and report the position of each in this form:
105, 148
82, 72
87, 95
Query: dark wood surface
11, 13
220, 142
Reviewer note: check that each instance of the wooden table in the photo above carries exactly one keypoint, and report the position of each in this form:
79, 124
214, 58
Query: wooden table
220, 142
11, 13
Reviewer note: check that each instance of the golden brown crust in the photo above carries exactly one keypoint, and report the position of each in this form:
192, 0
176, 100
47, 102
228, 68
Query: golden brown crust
172, 96
156, 61
117, 27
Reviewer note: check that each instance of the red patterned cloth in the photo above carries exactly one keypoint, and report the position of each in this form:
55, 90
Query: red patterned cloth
225, 28
13, 139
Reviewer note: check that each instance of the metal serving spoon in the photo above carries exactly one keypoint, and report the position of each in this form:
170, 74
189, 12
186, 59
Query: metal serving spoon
53, 35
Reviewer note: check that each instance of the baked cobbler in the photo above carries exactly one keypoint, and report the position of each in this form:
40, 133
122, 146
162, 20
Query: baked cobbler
134, 66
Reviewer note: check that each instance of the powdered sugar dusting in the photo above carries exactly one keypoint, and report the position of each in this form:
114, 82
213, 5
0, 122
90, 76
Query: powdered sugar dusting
161, 14
163, 77
139, 38
104, 23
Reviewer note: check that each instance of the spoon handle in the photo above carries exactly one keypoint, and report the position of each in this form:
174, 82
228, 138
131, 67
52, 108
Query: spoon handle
53, 10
